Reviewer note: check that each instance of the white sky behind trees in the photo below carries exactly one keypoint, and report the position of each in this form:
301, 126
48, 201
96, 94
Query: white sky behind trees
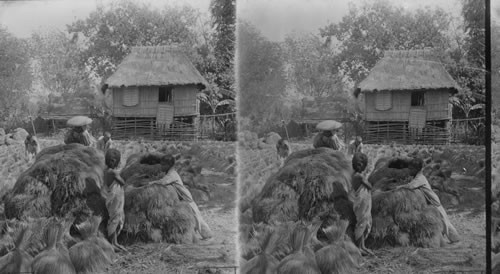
276, 18
21, 18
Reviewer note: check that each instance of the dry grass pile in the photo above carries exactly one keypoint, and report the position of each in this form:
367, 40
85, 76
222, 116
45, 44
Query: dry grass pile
294, 247
153, 211
302, 258
35, 239
402, 216
64, 180
312, 183
265, 262
55, 258
340, 255
93, 254
18, 260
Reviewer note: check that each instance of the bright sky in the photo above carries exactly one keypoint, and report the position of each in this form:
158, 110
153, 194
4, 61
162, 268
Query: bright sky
276, 18
21, 18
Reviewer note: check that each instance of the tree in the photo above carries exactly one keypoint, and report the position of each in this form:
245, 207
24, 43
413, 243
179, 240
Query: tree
15, 78
262, 81
367, 31
310, 67
224, 21
216, 63
110, 32
495, 63
474, 25
57, 59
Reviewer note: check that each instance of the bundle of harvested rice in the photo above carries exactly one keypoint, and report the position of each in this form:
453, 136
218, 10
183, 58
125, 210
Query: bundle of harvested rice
55, 258
401, 216
265, 262
151, 205
302, 259
312, 183
12, 229
340, 255
94, 253
18, 260
253, 236
64, 180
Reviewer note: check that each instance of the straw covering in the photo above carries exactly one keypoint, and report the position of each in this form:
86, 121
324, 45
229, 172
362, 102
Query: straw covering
65, 180
401, 217
155, 66
408, 70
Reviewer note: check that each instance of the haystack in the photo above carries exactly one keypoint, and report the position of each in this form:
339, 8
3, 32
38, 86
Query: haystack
401, 217
312, 183
153, 210
64, 180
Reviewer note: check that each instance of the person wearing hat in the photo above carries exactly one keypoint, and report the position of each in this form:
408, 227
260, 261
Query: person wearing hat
420, 183
78, 132
328, 135
104, 143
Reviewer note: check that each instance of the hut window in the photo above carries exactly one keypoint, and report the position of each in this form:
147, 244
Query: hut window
165, 94
383, 100
130, 97
417, 98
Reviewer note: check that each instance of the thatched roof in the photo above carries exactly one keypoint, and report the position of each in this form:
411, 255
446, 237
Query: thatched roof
156, 66
408, 70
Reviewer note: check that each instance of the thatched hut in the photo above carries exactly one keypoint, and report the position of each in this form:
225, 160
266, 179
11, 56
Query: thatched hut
154, 91
406, 99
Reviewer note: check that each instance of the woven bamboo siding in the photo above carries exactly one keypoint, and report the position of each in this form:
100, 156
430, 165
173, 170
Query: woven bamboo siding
185, 100
436, 105
398, 112
147, 106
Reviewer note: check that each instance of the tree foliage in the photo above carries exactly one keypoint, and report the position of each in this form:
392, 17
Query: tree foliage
261, 78
15, 78
110, 31
370, 29
310, 66
57, 56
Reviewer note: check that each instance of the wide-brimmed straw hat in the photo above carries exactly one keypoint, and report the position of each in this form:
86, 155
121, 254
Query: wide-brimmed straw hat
328, 125
79, 121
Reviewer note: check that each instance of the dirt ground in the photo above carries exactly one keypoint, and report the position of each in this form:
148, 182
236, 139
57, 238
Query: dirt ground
216, 255
468, 217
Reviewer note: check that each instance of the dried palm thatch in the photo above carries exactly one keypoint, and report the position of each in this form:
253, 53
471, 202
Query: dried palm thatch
64, 180
55, 258
94, 253
155, 66
408, 70
18, 260
340, 255
312, 183
151, 205
401, 216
